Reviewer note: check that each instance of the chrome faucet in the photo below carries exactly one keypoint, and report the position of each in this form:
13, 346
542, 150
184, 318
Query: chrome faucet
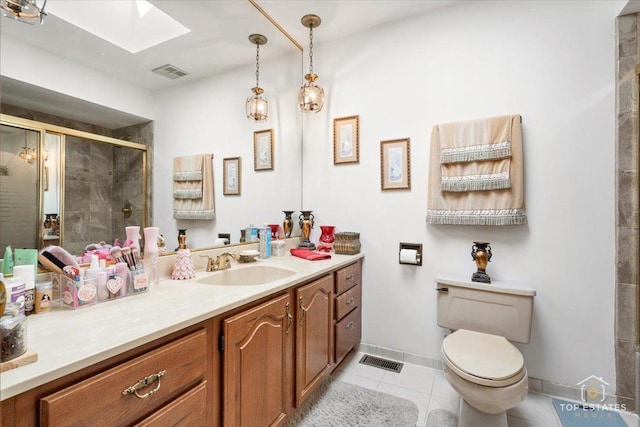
223, 261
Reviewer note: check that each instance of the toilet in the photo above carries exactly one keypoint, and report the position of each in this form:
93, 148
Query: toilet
480, 363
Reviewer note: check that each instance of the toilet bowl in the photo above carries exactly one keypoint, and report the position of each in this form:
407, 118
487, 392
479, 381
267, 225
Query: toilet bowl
488, 373
480, 363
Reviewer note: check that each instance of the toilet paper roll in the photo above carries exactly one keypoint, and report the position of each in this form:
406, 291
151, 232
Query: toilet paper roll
409, 256
220, 242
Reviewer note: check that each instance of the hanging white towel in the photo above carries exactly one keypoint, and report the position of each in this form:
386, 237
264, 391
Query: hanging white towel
193, 187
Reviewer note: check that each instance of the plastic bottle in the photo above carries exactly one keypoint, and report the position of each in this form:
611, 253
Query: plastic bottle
265, 242
7, 266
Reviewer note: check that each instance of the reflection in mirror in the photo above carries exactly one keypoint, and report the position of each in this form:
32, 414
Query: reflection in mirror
91, 187
18, 187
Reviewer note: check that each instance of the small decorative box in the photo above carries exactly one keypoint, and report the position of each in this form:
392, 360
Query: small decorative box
347, 243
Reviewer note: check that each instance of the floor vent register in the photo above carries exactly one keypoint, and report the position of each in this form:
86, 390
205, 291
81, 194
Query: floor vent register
388, 365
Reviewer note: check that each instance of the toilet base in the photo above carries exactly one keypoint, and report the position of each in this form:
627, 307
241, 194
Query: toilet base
468, 416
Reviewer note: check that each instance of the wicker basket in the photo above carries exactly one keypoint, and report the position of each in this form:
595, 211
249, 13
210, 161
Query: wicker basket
347, 243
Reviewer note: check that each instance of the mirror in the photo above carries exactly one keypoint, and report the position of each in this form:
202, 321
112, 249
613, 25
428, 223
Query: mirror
62, 93
92, 187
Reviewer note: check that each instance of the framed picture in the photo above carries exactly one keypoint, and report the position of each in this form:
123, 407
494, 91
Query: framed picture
232, 176
346, 140
395, 164
263, 150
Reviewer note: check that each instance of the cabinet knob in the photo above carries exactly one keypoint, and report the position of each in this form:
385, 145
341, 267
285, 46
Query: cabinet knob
350, 301
349, 325
351, 277
147, 381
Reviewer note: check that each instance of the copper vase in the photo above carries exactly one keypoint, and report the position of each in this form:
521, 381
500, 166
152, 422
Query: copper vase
481, 254
287, 224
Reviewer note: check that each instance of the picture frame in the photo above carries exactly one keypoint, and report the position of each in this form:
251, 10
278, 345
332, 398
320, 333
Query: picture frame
232, 178
395, 164
346, 140
263, 150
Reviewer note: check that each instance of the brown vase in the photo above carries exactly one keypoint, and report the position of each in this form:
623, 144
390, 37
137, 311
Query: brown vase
481, 254
287, 224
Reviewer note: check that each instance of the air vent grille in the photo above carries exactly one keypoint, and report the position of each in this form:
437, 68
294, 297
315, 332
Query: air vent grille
376, 362
170, 71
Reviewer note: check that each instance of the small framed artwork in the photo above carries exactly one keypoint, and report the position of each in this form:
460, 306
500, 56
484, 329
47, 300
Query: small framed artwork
346, 140
263, 150
232, 176
395, 164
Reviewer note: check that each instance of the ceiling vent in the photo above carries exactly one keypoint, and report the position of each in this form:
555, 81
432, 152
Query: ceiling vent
170, 71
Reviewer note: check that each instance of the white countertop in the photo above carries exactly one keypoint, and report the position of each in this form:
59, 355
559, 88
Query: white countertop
68, 340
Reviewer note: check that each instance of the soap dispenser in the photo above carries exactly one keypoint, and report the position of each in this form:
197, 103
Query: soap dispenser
183, 268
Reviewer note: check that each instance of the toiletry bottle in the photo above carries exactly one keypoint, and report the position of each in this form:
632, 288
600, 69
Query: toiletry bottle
151, 253
7, 266
265, 242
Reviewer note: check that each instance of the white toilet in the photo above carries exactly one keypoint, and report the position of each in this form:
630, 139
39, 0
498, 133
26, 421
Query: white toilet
479, 361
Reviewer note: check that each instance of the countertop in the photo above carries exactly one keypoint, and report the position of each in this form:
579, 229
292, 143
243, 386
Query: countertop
68, 340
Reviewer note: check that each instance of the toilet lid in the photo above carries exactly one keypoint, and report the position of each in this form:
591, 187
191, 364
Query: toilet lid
485, 359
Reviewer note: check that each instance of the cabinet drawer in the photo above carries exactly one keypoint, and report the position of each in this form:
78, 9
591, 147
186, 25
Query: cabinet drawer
100, 399
348, 301
348, 277
188, 410
348, 332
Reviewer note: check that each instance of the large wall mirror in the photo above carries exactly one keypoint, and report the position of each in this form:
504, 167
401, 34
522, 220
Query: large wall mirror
60, 186
54, 91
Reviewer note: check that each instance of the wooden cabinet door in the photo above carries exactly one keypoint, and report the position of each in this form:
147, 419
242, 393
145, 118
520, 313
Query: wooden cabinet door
314, 335
258, 363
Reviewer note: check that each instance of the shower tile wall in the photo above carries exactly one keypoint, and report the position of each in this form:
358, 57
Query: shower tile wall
627, 221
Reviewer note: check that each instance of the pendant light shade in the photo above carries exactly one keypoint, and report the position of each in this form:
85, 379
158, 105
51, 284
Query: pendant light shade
311, 96
26, 11
27, 153
257, 106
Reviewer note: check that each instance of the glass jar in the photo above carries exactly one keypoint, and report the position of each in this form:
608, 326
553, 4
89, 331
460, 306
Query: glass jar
13, 333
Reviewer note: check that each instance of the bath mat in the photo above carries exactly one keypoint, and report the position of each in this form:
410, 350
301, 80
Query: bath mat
442, 418
574, 414
339, 404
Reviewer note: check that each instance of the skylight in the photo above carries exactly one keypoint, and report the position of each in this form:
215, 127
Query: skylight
133, 25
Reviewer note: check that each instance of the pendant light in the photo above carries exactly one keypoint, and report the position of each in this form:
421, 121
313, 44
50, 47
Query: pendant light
27, 154
23, 10
257, 106
311, 96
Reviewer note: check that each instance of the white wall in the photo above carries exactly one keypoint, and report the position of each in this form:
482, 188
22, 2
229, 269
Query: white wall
551, 62
208, 116
25, 63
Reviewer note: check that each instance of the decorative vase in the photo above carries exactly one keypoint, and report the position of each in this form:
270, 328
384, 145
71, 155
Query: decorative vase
151, 254
306, 224
274, 230
325, 243
481, 254
133, 234
287, 224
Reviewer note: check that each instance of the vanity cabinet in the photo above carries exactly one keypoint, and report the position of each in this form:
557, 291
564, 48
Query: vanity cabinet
314, 335
156, 387
257, 364
348, 302
261, 374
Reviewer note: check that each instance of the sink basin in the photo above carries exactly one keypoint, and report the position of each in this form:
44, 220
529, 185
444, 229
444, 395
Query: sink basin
243, 276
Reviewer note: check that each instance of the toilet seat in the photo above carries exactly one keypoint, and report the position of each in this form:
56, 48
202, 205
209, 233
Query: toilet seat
483, 359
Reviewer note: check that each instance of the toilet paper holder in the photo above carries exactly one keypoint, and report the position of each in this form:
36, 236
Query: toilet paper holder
412, 246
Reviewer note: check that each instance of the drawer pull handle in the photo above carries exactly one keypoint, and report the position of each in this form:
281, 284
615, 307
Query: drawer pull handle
349, 325
144, 383
289, 318
351, 277
350, 301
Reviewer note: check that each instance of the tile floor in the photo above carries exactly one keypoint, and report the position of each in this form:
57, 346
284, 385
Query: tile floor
429, 389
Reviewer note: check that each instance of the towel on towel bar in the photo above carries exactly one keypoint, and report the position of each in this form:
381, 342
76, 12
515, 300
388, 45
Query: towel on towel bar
193, 187
497, 206
475, 155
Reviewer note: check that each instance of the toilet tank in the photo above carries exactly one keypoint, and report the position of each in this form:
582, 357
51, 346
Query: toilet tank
492, 308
